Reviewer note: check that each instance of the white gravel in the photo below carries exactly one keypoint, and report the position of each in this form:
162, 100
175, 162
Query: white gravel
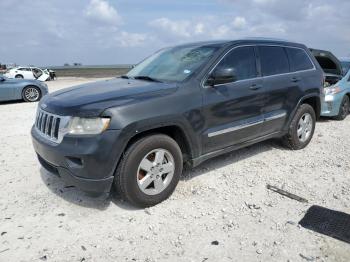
220, 211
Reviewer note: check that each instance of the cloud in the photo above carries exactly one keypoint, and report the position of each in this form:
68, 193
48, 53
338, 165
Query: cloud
180, 28
239, 22
125, 39
213, 27
101, 11
98, 31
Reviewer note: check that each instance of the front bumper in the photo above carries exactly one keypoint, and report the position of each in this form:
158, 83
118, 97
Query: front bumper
331, 105
87, 163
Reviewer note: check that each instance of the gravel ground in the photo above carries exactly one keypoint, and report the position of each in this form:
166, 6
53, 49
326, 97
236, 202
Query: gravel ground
220, 211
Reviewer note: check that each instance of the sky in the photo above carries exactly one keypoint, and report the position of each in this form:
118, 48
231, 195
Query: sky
93, 32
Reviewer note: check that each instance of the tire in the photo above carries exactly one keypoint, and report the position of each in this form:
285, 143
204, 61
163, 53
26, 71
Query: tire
301, 128
31, 94
344, 109
19, 77
147, 188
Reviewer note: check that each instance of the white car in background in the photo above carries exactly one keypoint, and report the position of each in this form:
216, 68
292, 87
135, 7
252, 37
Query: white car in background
28, 73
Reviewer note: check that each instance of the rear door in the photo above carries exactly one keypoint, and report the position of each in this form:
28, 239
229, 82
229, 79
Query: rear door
233, 111
281, 87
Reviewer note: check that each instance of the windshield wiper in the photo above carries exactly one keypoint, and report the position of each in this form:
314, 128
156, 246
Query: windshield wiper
124, 76
147, 78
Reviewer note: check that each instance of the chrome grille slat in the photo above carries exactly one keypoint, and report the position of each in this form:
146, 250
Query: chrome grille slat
47, 122
53, 127
48, 125
43, 123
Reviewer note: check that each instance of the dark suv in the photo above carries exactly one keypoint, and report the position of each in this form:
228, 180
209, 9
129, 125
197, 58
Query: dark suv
184, 104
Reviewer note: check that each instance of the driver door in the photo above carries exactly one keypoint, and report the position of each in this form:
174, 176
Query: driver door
233, 110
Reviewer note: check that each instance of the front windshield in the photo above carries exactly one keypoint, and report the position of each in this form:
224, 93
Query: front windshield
173, 64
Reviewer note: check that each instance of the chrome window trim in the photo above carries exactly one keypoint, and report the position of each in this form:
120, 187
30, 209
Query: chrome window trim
205, 78
239, 127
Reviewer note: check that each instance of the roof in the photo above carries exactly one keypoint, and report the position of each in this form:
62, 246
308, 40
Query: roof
234, 41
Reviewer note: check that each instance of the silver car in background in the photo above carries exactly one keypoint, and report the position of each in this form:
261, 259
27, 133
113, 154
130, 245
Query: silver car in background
16, 89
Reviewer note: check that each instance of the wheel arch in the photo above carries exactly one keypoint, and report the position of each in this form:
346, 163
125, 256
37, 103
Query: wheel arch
174, 131
314, 102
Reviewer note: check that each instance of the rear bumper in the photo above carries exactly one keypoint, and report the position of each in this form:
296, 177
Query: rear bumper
87, 163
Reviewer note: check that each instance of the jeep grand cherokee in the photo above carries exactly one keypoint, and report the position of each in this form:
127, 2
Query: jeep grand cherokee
183, 104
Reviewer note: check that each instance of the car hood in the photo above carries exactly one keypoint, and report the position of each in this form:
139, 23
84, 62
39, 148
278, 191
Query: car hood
328, 62
90, 100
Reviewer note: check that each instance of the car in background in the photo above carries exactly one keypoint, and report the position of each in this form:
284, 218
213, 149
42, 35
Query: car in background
330, 64
16, 89
34, 73
337, 99
345, 62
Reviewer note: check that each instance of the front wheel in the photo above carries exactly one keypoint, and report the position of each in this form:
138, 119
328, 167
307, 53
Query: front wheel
301, 128
149, 170
344, 109
19, 77
31, 94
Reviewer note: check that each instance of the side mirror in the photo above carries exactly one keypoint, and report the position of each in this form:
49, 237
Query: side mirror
222, 76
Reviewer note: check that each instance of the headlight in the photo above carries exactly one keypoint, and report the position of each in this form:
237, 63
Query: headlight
88, 126
332, 90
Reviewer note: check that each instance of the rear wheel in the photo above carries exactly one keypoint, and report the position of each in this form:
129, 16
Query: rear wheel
19, 77
301, 128
344, 109
31, 94
149, 170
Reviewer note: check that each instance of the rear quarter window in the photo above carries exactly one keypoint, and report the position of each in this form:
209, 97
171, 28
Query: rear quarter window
298, 59
273, 60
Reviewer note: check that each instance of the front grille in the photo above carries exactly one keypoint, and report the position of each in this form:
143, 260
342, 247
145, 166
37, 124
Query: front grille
48, 125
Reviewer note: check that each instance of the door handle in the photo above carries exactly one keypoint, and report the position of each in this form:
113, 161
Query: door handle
295, 79
255, 87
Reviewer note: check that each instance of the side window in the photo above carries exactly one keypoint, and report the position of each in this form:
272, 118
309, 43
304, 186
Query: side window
242, 62
273, 60
298, 60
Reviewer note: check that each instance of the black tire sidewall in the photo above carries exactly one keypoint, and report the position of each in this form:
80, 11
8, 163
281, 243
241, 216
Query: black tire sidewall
24, 97
130, 164
297, 144
342, 115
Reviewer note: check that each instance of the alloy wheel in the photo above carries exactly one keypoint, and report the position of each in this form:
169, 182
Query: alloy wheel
305, 127
32, 94
155, 171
